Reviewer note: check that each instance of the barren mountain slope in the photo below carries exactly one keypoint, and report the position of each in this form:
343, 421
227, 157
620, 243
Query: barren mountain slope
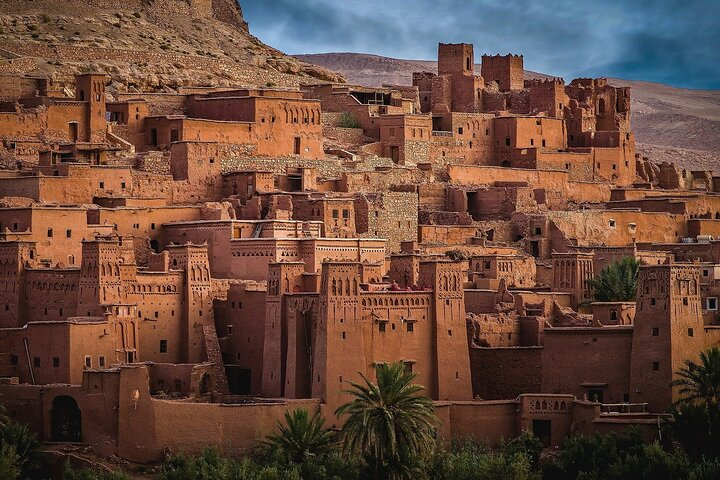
670, 123
148, 45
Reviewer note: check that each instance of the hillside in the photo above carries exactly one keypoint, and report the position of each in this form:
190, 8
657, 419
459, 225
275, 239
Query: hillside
670, 123
144, 45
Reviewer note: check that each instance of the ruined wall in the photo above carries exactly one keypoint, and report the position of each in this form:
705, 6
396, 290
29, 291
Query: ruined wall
389, 215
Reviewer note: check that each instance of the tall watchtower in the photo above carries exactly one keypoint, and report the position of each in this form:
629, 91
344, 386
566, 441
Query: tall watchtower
90, 88
668, 330
339, 345
453, 380
456, 58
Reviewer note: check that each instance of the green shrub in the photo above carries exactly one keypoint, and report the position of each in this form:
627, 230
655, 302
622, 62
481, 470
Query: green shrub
69, 473
26, 446
9, 462
347, 120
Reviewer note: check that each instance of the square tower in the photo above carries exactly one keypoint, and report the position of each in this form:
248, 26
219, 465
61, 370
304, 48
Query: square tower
90, 88
668, 331
456, 58
506, 70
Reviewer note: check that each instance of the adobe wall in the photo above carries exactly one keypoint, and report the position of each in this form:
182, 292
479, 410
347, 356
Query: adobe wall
551, 181
506, 372
612, 227
485, 422
577, 359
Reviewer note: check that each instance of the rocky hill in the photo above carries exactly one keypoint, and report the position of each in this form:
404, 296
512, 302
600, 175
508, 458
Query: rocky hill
672, 124
145, 45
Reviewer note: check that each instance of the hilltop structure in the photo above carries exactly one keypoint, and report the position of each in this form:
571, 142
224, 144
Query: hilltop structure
178, 269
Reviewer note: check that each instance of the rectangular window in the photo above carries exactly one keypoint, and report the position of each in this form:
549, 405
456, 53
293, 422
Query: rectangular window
50, 232
691, 332
36, 362
410, 327
381, 326
56, 362
68, 233
163, 346
335, 214
507, 141
88, 361
101, 360
14, 359
408, 367
346, 213
655, 331
102, 185
656, 366
711, 303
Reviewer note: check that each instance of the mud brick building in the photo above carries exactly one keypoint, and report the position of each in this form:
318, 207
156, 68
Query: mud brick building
179, 268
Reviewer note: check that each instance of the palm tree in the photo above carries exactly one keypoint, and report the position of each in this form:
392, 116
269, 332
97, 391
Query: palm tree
700, 382
26, 445
302, 437
388, 423
696, 414
617, 282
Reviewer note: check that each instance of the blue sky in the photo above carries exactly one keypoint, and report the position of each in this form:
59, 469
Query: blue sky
676, 42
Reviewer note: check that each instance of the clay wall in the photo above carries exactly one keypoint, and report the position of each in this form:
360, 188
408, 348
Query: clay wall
614, 227
539, 179
49, 295
488, 423
16, 87
375, 181
57, 231
601, 361
506, 372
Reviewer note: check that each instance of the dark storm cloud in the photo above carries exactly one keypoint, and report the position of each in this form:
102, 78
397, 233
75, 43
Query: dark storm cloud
669, 41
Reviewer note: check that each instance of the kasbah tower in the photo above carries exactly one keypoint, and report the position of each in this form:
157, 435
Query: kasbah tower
182, 261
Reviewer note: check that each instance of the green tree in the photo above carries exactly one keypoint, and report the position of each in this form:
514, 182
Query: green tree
700, 382
26, 445
617, 282
302, 437
389, 424
696, 415
9, 462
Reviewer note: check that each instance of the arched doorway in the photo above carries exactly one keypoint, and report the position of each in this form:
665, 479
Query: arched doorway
66, 420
